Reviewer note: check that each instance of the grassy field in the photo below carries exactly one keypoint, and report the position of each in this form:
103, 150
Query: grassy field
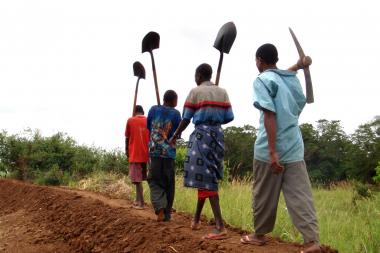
344, 225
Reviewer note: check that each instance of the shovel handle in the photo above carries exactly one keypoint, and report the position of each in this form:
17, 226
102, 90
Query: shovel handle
219, 68
309, 86
135, 98
155, 78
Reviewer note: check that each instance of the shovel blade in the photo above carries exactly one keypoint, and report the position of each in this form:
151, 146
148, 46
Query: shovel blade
138, 70
150, 41
225, 38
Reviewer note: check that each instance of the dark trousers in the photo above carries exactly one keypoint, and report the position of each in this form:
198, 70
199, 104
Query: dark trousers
161, 180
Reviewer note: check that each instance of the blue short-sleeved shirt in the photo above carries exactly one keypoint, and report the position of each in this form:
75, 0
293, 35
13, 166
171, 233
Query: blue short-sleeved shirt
279, 91
162, 122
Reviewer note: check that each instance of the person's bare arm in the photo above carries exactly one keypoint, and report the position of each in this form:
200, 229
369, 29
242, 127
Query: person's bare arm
301, 63
126, 146
182, 126
270, 124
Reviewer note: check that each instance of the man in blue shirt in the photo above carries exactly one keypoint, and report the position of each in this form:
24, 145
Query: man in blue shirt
279, 153
162, 122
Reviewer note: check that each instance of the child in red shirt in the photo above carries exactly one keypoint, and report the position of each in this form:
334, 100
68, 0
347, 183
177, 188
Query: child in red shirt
136, 149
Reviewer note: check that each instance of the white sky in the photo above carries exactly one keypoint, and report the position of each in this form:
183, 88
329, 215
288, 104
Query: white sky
67, 65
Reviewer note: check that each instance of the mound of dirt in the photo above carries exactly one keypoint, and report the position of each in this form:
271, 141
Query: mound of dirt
46, 219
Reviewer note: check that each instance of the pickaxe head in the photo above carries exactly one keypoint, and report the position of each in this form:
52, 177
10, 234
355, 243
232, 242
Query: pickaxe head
225, 38
138, 70
150, 41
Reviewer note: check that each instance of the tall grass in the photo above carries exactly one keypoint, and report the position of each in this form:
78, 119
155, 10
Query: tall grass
343, 225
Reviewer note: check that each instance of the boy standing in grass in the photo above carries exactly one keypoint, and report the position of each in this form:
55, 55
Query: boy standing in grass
136, 149
279, 153
162, 122
209, 107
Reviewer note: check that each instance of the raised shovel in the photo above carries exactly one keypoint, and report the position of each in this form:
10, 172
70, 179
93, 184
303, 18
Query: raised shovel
306, 71
139, 71
150, 42
223, 42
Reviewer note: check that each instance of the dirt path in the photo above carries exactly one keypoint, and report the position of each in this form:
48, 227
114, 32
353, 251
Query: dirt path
45, 219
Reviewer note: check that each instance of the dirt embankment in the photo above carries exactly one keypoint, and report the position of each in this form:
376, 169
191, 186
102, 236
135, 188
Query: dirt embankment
44, 219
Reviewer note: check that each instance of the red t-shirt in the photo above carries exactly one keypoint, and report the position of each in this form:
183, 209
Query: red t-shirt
138, 139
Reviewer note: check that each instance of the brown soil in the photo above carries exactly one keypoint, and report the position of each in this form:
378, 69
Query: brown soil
47, 219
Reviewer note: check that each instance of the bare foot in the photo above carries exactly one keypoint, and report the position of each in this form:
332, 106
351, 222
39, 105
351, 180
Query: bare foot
254, 239
312, 248
161, 215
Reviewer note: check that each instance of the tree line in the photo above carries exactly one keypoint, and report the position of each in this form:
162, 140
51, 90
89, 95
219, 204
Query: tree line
330, 154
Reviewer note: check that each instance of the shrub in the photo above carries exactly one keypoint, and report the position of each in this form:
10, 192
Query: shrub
51, 177
376, 178
180, 159
361, 192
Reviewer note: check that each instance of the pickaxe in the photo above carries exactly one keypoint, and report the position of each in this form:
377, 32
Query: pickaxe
139, 71
223, 42
306, 71
152, 41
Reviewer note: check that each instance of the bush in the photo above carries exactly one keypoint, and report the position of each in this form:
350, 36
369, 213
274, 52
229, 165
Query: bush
55, 159
180, 159
376, 178
361, 192
51, 177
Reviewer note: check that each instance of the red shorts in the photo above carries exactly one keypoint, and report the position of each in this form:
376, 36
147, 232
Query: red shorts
137, 172
204, 194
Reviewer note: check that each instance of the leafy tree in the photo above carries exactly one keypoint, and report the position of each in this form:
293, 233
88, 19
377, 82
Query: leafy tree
239, 142
326, 150
365, 152
376, 178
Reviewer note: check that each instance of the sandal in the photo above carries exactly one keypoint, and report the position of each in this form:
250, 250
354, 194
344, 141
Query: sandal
216, 235
137, 207
246, 239
195, 225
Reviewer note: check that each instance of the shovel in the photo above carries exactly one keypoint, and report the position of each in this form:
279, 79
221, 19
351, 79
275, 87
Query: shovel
306, 71
223, 42
152, 41
139, 71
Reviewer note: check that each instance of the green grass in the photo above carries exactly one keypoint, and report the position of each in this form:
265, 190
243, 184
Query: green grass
343, 225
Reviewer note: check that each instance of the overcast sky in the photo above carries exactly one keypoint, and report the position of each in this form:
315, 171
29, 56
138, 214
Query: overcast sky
67, 65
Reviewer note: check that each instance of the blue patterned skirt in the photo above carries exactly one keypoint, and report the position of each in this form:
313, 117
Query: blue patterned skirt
204, 160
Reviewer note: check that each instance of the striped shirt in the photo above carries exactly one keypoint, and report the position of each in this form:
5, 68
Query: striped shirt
208, 104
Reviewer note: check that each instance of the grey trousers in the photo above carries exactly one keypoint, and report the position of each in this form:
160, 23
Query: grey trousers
161, 180
295, 185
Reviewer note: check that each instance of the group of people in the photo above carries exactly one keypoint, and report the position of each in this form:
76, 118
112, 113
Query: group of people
278, 152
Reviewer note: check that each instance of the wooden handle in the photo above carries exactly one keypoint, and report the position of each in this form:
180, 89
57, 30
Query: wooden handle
135, 98
309, 86
219, 68
155, 78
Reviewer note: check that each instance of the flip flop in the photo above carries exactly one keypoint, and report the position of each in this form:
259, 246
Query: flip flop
220, 235
137, 207
247, 240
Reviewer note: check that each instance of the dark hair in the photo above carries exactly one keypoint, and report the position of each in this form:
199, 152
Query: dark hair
267, 53
205, 71
139, 109
170, 96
